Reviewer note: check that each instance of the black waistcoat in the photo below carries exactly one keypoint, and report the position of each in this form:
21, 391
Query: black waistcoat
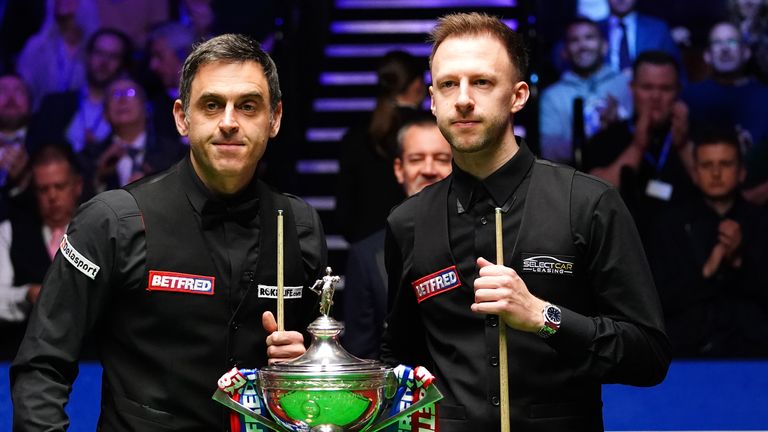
168, 349
538, 378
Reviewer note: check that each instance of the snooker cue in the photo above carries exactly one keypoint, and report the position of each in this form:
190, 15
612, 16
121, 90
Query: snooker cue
503, 362
280, 309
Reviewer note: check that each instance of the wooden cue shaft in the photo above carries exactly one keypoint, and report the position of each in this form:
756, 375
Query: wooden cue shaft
503, 362
280, 308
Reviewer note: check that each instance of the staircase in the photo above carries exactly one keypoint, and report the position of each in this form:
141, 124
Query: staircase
361, 32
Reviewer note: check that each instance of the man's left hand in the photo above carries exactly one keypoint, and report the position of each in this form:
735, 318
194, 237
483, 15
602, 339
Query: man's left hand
281, 345
499, 290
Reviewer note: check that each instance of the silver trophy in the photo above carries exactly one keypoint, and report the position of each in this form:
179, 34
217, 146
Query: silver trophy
328, 389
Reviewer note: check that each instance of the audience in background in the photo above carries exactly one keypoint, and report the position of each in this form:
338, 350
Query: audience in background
368, 151
708, 256
15, 111
732, 98
77, 116
53, 59
167, 48
29, 240
133, 149
751, 18
601, 94
649, 156
424, 157
630, 33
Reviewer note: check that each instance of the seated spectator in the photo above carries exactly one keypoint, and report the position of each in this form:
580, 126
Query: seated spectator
77, 116
133, 149
630, 33
367, 189
708, 257
733, 98
15, 111
52, 60
424, 157
751, 18
28, 242
648, 157
603, 94
168, 47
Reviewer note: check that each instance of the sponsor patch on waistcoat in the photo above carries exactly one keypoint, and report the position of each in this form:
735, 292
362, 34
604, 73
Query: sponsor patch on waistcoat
77, 259
268, 291
436, 283
548, 264
180, 282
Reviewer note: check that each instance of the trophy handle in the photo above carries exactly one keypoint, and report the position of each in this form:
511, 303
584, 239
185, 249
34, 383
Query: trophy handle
431, 396
224, 399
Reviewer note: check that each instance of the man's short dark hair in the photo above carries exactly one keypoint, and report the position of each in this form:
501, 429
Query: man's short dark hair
479, 24
718, 135
126, 57
229, 48
55, 152
581, 20
420, 120
656, 58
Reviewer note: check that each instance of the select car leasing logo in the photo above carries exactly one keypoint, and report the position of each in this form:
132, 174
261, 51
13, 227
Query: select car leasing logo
548, 264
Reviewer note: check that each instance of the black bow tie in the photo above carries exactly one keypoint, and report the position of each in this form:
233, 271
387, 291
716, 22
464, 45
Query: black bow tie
215, 213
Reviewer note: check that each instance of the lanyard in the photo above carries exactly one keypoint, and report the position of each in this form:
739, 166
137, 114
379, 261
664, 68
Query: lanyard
663, 155
659, 163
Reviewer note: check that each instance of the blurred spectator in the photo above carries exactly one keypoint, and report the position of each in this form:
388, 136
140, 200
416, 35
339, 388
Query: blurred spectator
708, 256
133, 149
751, 17
198, 15
732, 98
629, 33
648, 157
168, 47
15, 111
77, 116
29, 241
135, 18
424, 157
52, 60
367, 188
603, 94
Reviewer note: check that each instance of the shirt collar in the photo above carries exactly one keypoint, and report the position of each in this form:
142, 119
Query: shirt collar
500, 185
203, 200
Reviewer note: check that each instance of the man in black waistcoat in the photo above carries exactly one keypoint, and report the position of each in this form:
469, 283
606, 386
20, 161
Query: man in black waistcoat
574, 291
175, 275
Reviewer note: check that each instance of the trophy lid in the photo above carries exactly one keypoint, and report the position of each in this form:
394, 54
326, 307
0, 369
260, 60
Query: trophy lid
325, 354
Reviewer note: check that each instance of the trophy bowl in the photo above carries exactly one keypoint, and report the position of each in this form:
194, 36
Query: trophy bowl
326, 389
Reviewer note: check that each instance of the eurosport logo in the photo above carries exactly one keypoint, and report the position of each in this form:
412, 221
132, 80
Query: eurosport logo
548, 264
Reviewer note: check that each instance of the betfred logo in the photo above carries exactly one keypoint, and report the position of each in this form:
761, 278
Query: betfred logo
436, 283
180, 282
